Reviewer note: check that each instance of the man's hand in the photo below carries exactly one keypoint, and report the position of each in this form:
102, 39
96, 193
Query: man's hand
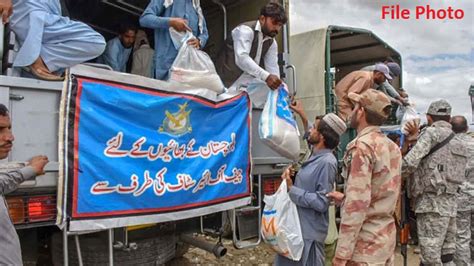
297, 106
402, 93
179, 24
273, 81
411, 128
339, 262
195, 42
404, 101
289, 171
38, 163
6, 8
337, 196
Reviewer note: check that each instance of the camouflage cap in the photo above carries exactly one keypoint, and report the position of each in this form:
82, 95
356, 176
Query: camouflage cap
439, 107
373, 100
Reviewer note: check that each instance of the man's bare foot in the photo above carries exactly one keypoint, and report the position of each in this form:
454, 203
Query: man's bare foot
41, 71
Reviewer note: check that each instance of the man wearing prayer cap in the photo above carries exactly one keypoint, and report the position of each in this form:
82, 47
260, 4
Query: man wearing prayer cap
314, 180
358, 82
371, 171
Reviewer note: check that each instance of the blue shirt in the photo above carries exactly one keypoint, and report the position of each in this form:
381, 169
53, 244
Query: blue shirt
115, 55
157, 17
314, 180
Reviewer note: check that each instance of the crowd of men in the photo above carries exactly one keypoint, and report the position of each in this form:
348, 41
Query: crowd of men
437, 163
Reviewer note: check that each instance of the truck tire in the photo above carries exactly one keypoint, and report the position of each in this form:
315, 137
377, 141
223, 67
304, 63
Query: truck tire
94, 250
227, 224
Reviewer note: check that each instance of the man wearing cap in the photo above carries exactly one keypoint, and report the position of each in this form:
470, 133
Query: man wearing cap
386, 87
371, 170
438, 161
358, 82
313, 181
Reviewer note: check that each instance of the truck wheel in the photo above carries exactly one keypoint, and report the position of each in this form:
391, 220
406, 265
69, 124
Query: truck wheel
94, 249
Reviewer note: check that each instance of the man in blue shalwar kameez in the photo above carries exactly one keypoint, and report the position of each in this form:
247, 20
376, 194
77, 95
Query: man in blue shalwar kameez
118, 49
314, 180
183, 15
50, 42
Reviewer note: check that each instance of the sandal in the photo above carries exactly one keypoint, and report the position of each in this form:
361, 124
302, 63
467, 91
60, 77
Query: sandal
37, 73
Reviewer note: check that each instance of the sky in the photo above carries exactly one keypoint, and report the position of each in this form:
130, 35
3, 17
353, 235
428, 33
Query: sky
437, 54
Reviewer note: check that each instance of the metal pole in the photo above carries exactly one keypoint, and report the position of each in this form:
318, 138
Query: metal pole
224, 13
78, 248
111, 247
65, 250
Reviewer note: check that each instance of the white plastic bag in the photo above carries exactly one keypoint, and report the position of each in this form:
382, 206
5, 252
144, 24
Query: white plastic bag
192, 66
258, 91
409, 115
281, 227
277, 127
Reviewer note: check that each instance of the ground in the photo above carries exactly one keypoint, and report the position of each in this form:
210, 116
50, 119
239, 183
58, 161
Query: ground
262, 255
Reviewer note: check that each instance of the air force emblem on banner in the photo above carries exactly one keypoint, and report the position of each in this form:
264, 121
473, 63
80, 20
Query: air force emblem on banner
178, 123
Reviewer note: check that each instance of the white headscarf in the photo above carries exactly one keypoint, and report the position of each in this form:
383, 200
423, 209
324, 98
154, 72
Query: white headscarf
197, 7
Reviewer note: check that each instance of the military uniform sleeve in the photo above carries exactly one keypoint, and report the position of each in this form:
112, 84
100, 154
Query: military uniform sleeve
357, 201
9, 181
420, 150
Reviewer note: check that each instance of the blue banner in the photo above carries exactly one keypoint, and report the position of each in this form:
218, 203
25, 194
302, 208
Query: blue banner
144, 151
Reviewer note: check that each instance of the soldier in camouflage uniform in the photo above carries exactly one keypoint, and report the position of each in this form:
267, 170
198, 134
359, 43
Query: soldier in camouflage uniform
435, 183
371, 170
465, 198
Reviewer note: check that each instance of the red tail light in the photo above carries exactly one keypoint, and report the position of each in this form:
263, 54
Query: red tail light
41, 208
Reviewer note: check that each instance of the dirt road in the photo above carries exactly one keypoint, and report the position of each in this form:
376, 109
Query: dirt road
262, 255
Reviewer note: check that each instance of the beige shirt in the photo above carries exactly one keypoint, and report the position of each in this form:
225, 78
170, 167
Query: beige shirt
357, 82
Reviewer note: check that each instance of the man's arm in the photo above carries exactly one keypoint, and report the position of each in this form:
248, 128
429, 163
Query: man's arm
9, 181
360, 85
151, 17
204, 36
315, 200
356, 203
111, 55
243, 37
419, 151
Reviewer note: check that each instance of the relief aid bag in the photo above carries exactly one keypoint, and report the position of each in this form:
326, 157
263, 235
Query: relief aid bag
409, 115
193, 67
280, 226
277, 127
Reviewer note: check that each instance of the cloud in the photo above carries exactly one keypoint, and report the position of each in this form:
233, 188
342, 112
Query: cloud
438, 55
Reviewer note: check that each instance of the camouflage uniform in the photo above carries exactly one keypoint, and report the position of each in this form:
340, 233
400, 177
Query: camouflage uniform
434, 187
465, 205
371, 170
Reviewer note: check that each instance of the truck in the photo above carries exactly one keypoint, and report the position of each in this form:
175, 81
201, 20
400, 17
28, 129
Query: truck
34, 108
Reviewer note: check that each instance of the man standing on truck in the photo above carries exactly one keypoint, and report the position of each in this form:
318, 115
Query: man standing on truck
313, 181
386, 87
371, 171
358, 82
118, 49
9, 181
184, 15
438, 161
49, 42
251, 50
